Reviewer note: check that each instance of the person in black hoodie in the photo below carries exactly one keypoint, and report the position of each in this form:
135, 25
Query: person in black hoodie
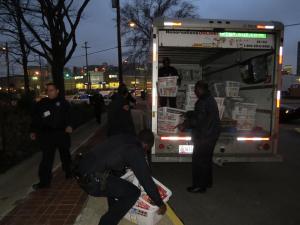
51, 126
205, 124
98, 173
119, 118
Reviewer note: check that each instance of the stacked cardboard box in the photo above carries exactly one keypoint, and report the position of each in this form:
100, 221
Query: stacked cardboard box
244, 114
221, 106
167, 86
190, 98
144, 211
168, 119
226, 89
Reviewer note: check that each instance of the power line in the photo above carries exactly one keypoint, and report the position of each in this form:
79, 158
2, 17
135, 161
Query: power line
99, 51
91, 53
293, 24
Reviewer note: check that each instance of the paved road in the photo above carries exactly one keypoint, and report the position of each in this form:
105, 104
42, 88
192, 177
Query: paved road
243, 194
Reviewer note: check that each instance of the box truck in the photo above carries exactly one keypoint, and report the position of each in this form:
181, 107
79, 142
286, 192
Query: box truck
241, 61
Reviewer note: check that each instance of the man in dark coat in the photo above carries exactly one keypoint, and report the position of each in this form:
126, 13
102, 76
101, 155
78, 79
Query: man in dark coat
51, 127
119, 114
165, 71
97, 101
205, 124
97, 171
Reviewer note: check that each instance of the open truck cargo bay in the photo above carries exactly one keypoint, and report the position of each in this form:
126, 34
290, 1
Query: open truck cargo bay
241, 61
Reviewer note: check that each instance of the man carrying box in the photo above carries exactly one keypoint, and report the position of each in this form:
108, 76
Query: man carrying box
205, 124
167, 71
97, 171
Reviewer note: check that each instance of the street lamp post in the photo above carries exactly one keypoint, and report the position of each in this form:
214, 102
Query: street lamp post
116, 5
7, 63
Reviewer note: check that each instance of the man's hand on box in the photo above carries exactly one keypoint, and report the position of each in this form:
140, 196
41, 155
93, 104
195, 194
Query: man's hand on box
181, 127
162, 210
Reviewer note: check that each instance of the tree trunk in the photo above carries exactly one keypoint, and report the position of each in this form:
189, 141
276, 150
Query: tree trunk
25, 71
57, 71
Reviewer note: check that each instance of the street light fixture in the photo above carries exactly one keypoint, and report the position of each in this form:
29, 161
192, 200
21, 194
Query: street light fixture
132, 24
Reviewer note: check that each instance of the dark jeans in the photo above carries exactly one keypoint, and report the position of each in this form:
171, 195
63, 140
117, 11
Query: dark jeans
163, 101
49, 142
202, 162
121, 196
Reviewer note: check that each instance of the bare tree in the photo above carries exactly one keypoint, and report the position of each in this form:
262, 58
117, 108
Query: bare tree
142, 13
11, 26
53, 25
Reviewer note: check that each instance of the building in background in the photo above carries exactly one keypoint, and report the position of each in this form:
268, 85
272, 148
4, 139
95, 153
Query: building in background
287, 70
39, 76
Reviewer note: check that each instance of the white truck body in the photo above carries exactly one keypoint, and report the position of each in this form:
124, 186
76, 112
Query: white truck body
218, 51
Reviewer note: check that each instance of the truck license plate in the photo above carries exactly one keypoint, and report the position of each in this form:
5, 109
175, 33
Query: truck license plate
186, 149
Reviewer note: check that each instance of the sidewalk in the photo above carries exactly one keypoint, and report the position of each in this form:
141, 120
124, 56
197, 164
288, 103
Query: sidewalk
64, 203
58, 205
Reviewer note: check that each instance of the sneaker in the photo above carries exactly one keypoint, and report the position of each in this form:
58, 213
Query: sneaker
40, 186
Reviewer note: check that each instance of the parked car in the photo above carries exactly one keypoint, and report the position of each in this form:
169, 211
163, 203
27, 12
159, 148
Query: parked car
289, 113
80, 99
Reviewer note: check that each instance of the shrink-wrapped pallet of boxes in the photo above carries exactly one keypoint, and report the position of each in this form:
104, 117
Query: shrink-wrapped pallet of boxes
226, 89
244, 114
167, 86
168, 119
221, 106
190, 97
232, 88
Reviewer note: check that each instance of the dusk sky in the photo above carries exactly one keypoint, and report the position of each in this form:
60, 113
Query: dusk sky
99, 30
98, 27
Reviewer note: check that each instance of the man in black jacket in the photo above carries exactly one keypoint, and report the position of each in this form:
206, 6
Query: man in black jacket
166, 71
97, 172
51, 127
205, 124
119, 118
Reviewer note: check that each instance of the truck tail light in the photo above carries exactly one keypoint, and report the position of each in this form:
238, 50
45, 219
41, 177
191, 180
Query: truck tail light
253, 139
278, 99
176, 138
280, 60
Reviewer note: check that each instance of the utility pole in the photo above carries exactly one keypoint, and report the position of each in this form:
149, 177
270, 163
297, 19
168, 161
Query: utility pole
116, 4
86, 65
7, 64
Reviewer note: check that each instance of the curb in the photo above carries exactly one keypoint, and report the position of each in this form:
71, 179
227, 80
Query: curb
173, 217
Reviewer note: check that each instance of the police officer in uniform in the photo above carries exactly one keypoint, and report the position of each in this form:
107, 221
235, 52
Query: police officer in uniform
165, 71
205, 124
51, 127
98, 173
